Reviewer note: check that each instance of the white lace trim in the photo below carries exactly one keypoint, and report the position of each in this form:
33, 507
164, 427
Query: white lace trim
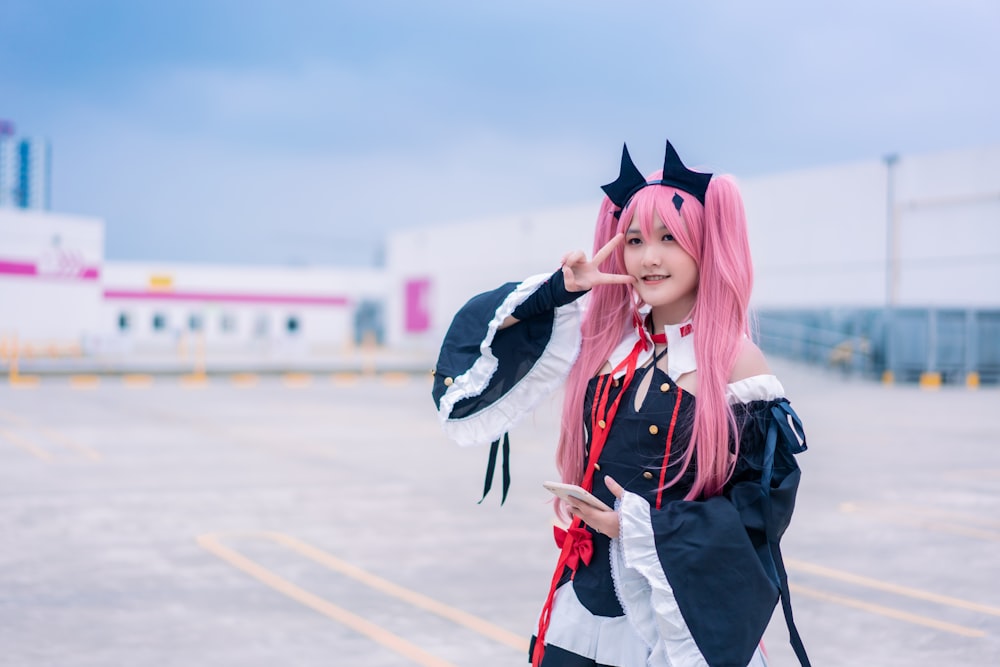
647, 597
545, 376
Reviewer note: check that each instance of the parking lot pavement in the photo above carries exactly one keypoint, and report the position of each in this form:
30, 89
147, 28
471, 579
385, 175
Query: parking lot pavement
328, 522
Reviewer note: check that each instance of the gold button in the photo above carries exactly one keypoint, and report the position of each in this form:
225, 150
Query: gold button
653, 429
601, 423
647, 475
448, 382
597, 466
615, 383
665, 386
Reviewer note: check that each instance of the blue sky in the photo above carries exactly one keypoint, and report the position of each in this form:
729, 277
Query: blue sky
268, 131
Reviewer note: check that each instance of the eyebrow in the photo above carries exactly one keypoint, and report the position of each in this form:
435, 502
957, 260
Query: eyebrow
632, 230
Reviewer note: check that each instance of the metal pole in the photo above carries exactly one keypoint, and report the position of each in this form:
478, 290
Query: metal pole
891, 266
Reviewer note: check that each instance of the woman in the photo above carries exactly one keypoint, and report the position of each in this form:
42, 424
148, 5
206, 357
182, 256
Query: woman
685, 570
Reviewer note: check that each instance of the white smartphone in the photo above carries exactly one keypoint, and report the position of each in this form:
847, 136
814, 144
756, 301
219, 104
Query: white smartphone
578, 493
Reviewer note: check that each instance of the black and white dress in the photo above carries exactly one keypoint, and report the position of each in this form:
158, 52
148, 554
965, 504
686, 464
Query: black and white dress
687, 582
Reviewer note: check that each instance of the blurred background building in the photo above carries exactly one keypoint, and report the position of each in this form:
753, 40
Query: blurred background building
889, 268
25, 170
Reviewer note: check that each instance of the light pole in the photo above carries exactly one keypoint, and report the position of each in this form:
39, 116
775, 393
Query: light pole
891, 264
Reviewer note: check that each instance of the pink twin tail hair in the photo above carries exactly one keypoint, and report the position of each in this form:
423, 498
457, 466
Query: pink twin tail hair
716, 236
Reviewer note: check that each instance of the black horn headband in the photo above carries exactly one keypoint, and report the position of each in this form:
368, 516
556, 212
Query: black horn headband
630, 180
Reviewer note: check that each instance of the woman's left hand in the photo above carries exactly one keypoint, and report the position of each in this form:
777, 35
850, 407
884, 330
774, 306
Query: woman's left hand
602, 521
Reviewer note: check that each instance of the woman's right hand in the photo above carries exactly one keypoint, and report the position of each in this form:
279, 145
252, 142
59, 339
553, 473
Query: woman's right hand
581, 274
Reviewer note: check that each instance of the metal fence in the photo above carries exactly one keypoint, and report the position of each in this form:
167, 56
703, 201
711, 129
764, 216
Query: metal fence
927, 345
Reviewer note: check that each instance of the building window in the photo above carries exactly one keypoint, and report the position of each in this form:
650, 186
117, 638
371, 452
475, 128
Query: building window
227, 322
159, 321
292, 324
195, 322
123, 321
261, 326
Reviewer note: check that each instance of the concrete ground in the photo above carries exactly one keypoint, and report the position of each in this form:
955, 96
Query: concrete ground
326, 521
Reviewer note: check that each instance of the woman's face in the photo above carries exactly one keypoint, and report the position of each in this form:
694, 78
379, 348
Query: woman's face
666, 276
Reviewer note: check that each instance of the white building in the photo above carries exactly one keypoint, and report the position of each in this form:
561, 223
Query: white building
57, 292
820, 239
50, 276
285, 311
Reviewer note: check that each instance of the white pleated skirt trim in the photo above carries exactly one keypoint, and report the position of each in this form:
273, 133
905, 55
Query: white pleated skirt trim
605, 640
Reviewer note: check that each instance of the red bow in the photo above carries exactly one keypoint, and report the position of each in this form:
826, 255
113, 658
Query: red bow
582, 547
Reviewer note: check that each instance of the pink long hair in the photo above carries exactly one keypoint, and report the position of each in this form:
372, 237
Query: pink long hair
716, 237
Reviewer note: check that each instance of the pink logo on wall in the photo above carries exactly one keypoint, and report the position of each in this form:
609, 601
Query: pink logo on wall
418, 312
62, 262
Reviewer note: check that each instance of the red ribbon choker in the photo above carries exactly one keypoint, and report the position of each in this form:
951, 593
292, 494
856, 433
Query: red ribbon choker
661, 338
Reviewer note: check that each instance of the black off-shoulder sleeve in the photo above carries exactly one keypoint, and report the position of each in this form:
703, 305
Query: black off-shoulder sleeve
487, 378
717, 561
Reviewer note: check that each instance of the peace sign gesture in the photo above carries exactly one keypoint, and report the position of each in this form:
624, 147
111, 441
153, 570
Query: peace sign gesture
580, 274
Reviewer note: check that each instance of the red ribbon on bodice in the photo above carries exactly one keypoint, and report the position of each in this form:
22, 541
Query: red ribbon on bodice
576, 544
581, 545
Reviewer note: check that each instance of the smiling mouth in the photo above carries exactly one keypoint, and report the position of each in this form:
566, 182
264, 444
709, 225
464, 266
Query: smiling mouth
654, 278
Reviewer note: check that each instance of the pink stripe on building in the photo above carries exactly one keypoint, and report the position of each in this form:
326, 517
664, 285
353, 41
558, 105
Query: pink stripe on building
227, 297
11, 267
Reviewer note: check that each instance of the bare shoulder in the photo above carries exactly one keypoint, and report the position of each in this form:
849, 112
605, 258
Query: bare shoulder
749, 362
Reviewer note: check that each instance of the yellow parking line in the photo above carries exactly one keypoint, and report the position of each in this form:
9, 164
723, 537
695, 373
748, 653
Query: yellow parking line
26, 445
71, 444
411, 651
395, 378
194, 381
137, 380
840, 575
345, 379
948, 515
10, 416
951, 522
297, 379
978, 473
84, 381
419, 600
245, 379
886, 611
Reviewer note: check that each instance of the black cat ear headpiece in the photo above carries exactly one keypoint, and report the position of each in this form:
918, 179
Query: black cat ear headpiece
630, 180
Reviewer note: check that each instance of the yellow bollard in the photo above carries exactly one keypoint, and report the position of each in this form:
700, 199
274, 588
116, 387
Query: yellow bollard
930, 380
972, 380
888, 377
368, 345
199, 357
13, 361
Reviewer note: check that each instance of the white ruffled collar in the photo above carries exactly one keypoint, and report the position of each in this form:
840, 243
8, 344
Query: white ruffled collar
681, 360
680, 346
